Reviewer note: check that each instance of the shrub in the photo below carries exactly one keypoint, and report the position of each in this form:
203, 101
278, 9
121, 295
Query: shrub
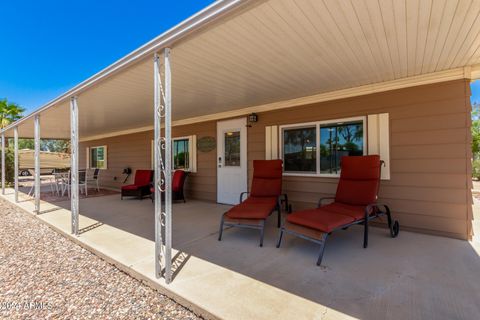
9, 166
476, 169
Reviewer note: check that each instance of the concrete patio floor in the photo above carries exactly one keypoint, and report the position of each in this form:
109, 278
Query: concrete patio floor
415, 276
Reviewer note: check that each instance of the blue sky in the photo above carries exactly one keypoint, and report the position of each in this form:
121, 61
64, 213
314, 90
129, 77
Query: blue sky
476, 91
50, 46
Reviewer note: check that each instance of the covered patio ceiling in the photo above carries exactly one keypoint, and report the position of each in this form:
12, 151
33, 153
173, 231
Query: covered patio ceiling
254, 54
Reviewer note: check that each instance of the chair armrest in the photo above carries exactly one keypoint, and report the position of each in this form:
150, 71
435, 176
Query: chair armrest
322, 199
241, 195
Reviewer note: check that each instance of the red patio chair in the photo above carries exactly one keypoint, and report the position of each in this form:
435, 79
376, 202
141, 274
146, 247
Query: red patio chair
354, 203
263, 200
178, 183
140, 186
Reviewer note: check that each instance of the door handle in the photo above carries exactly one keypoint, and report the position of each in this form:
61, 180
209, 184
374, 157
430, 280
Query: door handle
219, 162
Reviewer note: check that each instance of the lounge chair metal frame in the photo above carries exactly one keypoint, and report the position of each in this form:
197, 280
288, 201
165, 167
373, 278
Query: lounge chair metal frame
372, 211
393, 226
261, 226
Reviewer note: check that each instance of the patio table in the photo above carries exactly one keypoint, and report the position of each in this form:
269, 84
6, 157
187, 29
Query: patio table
49, 179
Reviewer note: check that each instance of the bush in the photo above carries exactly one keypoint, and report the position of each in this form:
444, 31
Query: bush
476, 169
9, 166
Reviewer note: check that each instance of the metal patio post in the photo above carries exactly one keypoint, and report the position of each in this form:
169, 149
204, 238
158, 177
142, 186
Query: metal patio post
158, 167
15, 148
3, 163
162, 166
37, 163
168, 167
74, 163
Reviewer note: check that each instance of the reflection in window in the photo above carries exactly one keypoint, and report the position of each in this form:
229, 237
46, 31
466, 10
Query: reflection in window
300, 149
97, 158
338, 140
232, 149
181, 156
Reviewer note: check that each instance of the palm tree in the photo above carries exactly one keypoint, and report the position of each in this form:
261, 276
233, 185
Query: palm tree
9, 112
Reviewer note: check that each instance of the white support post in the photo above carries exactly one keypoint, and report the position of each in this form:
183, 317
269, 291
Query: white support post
168, 167
162, 167
3, 163
74, 164
37, 163
158, 167
15, 148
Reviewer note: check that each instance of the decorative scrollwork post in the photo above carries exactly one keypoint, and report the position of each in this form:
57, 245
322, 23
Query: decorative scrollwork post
163, 166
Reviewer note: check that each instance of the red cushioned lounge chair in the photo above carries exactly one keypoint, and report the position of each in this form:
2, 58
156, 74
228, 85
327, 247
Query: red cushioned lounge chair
354, 203
264, 198
178, 183
141, 185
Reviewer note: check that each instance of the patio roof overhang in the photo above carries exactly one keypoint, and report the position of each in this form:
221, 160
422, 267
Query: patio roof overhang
240, 56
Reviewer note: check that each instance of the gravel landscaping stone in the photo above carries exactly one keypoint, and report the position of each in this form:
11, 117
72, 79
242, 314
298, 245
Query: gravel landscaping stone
46, 276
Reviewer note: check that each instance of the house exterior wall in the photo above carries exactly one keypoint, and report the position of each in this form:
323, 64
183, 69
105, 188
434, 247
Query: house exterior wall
430, 185
135, 151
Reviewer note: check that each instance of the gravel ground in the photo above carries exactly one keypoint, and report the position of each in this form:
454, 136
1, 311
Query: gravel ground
45, 276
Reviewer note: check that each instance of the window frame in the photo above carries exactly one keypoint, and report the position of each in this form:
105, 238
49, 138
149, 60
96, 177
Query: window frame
105, 154
317, 125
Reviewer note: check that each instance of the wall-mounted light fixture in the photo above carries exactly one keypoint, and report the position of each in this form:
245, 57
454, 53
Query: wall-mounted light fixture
252, 118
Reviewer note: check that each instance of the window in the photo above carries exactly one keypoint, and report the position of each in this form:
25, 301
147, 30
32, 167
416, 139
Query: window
183, 153
300, 149
338, 140
98, 157
316, 148
232, 149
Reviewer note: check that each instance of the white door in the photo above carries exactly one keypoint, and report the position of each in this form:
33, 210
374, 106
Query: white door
231, 160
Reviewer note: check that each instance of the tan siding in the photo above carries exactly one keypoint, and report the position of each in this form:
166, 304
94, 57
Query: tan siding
428, 180
434, 166
443, 151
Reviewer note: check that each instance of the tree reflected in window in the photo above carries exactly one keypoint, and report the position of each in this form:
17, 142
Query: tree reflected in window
338, 140
300, 149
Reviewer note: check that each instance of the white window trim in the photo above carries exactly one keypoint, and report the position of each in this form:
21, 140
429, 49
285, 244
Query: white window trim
89, 157
317, 125
192, 149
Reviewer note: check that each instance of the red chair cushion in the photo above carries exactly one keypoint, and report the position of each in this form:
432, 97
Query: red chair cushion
143, 177
253, 208
130, 187
178, 180
359, 180
356, 212
267, 178
319, 219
